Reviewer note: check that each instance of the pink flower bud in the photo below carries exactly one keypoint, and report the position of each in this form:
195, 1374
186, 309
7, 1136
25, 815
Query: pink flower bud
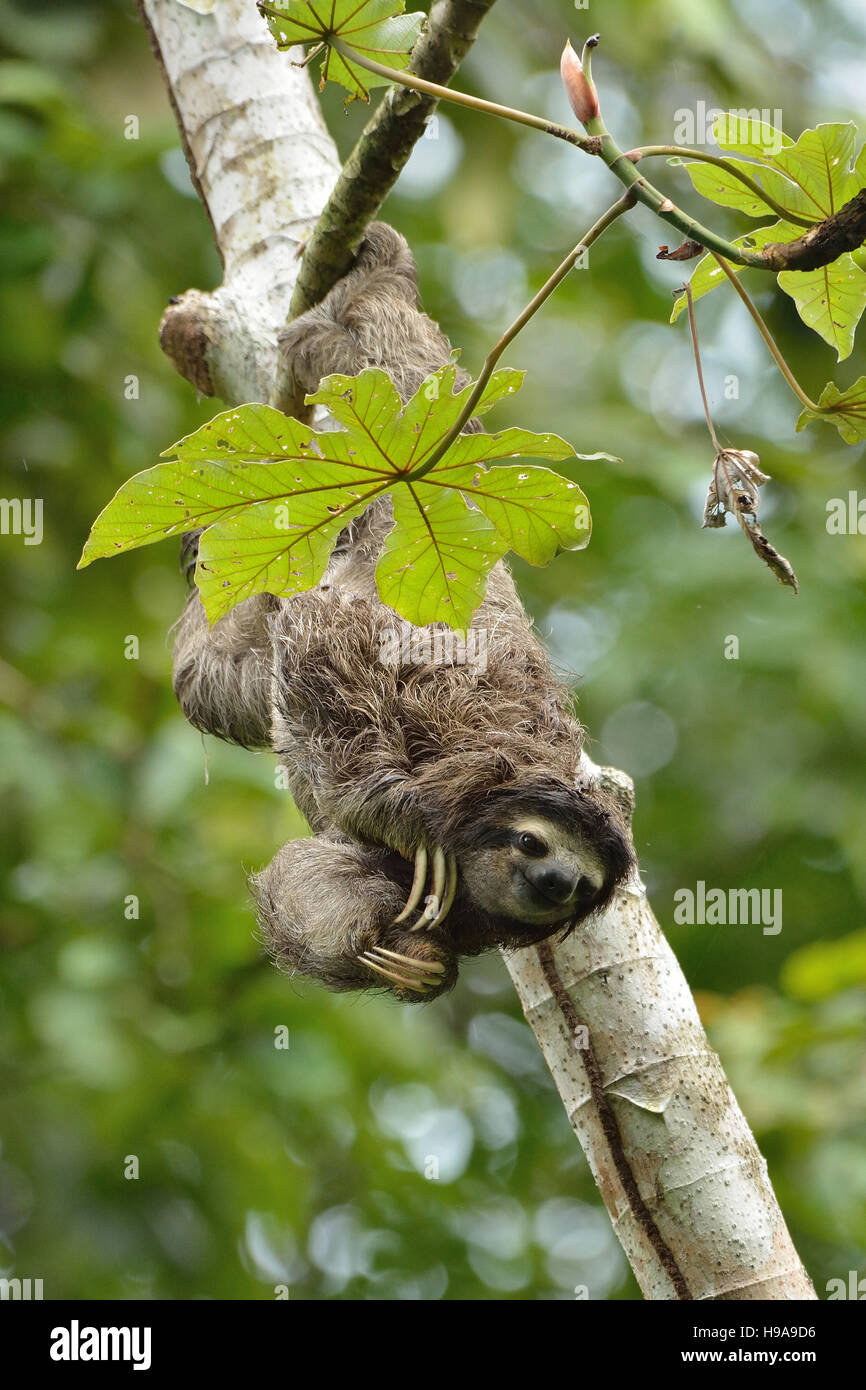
578, 88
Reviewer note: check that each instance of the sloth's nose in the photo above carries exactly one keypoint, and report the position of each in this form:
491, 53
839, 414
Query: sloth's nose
552, 881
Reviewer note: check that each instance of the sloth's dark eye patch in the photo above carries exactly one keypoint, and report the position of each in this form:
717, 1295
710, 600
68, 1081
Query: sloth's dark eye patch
531, 845
485, 835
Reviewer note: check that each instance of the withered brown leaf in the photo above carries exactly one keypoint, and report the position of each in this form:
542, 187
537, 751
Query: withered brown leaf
734, 488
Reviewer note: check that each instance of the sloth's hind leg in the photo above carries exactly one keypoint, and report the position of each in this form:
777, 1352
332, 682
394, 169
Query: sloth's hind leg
222, 674
326, 909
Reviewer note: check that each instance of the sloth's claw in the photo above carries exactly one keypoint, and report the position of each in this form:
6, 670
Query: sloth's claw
450, 887
439, 870
405, 971
443, 887
417, 884
410, 962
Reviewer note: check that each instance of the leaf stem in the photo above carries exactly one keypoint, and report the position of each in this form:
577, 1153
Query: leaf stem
613, 212
652, 151
767, 337
420, 84
687, 290
600, 143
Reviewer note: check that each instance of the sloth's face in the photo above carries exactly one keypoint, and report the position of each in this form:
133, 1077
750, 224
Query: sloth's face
536, 871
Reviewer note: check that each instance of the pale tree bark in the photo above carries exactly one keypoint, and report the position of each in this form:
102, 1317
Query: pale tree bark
262, 163
670, 1149
675, 1162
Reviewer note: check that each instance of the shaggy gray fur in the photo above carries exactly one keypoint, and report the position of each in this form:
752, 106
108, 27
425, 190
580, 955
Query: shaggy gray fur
383, 756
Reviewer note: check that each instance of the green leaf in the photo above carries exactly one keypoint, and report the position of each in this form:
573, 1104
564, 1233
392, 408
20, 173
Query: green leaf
369, 402
721, 187
273, 496
249, 432
821, 167
536, 510
844, 409
506, 444
745, 135
270, 547
830, 300
814, 178
434, 564
244, 456
375, 29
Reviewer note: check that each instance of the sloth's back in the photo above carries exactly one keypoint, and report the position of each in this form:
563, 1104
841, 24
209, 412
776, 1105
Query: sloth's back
355, 683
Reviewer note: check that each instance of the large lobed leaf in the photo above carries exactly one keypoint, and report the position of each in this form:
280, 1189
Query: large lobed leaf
812, 177
375, 29
274, 495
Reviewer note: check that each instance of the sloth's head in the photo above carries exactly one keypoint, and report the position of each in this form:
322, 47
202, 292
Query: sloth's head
543, 854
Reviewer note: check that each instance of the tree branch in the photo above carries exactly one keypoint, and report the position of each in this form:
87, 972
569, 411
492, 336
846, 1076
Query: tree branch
823, 243
729, 166
263, 164
670, 1150
389, 137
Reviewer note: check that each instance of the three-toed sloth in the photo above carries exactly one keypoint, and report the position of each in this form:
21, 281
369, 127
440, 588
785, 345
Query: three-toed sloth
442, 777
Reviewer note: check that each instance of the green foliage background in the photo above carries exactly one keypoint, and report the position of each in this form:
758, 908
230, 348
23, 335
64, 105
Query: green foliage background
154, 1037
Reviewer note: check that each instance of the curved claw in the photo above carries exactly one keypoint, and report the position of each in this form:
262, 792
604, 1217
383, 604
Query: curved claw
443, 889
449, 894
405, 971
434, 898
439, 869
427, 966
417, 885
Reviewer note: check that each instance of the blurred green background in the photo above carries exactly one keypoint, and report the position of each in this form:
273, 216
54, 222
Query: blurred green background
151, 1037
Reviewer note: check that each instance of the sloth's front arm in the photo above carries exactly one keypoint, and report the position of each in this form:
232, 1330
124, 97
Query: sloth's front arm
350, 731
331, 909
